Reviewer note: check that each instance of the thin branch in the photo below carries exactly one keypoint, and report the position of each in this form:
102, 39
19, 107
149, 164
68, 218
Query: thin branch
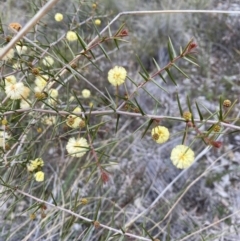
28, 26
106, 112
117, 231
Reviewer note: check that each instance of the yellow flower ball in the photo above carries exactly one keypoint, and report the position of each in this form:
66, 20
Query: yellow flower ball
53, 93
86, 93
49, 120
160, 134
39, 176
34, 164
9, 55
71, 36
84, 201
97, 22
117, 75
25, 103
77, 147
48, 61
91, 104
11, 79
58, 17
21, 49
77, 110
41, 82
73, 121
182, 156
16, 91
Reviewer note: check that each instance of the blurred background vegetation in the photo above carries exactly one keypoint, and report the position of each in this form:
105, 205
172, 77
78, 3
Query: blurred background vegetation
139, 169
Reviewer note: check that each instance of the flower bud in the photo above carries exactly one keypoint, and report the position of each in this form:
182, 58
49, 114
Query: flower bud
32, 216
227, 103
40, 95
96, 224
216, 144
216, 128
187, 115
35, 71
4, 122
84, 201
16, 26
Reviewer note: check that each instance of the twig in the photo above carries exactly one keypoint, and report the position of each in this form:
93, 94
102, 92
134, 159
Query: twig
108, 112
117, 231
28, 26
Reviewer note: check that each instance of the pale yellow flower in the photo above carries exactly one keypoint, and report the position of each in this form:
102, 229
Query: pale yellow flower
72, 98
71, 36
117, 75
52, 101
77, 147
26, 92
58, 17
160, 134
25, 103
97, 22
21, 49
53, 93
91, 104
16, 91
39, 176
84, 201
49, 120
41, 82
182, 156
48, 61
17, 66
4, 137
77, 110
74, 121
11, 79
86, 93
34, 164
9, 55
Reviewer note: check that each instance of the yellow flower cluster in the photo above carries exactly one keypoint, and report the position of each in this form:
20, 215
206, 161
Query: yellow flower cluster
77, 147
48, 61
39, 176
49, 120
21, 49
182, 156
160, 134
97, 22
41, 82
74, 121
58, 17
117, 75
86, 93
9, 55
35, 166
15, 90
71, 36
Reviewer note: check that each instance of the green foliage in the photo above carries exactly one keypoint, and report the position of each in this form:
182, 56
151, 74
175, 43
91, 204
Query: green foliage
87, 104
